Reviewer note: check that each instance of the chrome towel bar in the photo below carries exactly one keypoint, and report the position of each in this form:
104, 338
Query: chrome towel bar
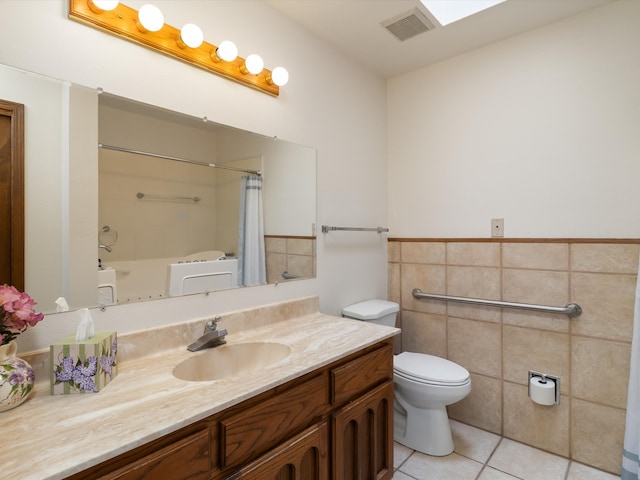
141, 195
571, 309
327, 228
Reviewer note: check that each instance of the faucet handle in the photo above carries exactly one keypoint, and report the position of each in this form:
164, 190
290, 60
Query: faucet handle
212, 324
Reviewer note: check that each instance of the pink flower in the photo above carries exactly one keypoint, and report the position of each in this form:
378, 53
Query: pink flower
17, 313
8, 295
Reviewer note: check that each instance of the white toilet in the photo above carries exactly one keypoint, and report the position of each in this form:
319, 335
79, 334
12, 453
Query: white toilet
424, 386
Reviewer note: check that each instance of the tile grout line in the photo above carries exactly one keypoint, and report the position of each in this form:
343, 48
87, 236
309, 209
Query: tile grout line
566, 474
486, 463
397, 469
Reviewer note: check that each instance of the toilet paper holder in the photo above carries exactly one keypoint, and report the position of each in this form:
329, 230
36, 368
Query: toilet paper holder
545, 376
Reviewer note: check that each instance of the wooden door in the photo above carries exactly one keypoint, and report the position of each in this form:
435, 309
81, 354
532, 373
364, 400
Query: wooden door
12, 194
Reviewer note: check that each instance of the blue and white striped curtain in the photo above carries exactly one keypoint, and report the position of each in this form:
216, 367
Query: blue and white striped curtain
630, 455
252, 268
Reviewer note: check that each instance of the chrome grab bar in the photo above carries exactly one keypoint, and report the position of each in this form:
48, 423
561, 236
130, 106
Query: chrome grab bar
327, 228
288, 276
571, 309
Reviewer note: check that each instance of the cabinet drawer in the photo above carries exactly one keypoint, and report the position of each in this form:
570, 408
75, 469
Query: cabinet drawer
259, 428
186, 458
359, 375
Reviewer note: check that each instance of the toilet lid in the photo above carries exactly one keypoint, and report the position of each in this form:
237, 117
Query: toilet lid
429, 369
370, 309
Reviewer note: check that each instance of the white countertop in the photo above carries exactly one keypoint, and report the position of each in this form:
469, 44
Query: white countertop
52, 437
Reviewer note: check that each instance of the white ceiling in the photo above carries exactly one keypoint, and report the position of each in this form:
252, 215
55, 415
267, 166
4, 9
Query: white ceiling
353, 27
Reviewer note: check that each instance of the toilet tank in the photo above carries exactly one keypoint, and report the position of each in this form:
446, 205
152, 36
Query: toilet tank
381, 312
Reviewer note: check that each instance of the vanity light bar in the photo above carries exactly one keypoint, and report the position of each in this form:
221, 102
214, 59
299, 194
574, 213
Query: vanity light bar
122, 21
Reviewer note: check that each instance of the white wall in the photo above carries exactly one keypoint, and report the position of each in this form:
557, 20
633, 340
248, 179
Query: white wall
541, 129
329, 103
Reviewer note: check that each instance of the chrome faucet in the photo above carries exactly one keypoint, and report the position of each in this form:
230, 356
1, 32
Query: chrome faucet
212, 337
106, 247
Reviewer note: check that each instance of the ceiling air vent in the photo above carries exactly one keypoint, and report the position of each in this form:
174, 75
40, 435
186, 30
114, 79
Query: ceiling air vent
408, 25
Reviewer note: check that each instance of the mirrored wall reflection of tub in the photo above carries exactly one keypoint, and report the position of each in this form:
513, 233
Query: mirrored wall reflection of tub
126, 281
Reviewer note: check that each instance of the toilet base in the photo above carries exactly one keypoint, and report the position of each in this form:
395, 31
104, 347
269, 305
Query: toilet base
426, 430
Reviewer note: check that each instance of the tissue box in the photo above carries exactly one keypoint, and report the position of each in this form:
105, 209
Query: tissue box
82, 367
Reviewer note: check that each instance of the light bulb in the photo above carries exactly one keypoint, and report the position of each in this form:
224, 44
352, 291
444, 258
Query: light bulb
150, 18
279, 76
253, 64
191, 35
99, 6
226, 51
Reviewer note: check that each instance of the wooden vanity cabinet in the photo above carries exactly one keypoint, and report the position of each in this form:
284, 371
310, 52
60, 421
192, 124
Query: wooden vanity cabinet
333, 423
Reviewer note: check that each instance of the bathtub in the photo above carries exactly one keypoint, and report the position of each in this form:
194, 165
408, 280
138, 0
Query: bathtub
155, 278
196, 276
107, 291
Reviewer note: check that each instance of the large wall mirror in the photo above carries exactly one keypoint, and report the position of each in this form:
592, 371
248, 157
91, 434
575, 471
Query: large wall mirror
172, 212
148, 215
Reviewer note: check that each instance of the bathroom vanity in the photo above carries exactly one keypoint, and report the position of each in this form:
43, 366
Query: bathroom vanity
334, 422
323, 411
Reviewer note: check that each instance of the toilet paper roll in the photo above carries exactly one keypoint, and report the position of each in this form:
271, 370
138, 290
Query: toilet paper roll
541, 392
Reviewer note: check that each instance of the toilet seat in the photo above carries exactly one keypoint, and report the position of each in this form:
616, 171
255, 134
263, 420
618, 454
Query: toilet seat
429, 369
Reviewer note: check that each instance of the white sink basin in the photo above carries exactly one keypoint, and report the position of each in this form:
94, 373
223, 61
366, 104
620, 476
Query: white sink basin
230, 360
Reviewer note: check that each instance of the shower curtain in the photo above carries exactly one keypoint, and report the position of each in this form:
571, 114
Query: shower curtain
251, 257
630, 461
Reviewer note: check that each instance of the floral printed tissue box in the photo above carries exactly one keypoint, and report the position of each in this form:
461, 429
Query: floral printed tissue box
82, 367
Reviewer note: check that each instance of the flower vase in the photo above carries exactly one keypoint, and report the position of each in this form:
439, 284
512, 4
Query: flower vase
16, 377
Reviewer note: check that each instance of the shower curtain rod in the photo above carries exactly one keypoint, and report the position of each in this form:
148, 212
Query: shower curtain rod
177, 159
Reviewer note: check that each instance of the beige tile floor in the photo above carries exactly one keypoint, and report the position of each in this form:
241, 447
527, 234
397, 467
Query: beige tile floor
481, 455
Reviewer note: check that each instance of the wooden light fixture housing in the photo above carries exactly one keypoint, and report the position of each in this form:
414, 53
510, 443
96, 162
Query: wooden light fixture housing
122, 21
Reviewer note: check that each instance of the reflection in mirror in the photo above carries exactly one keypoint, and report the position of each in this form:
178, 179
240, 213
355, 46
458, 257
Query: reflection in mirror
170, 205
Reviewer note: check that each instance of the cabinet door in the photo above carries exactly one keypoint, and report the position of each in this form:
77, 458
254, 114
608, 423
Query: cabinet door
363, 437
304, 457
